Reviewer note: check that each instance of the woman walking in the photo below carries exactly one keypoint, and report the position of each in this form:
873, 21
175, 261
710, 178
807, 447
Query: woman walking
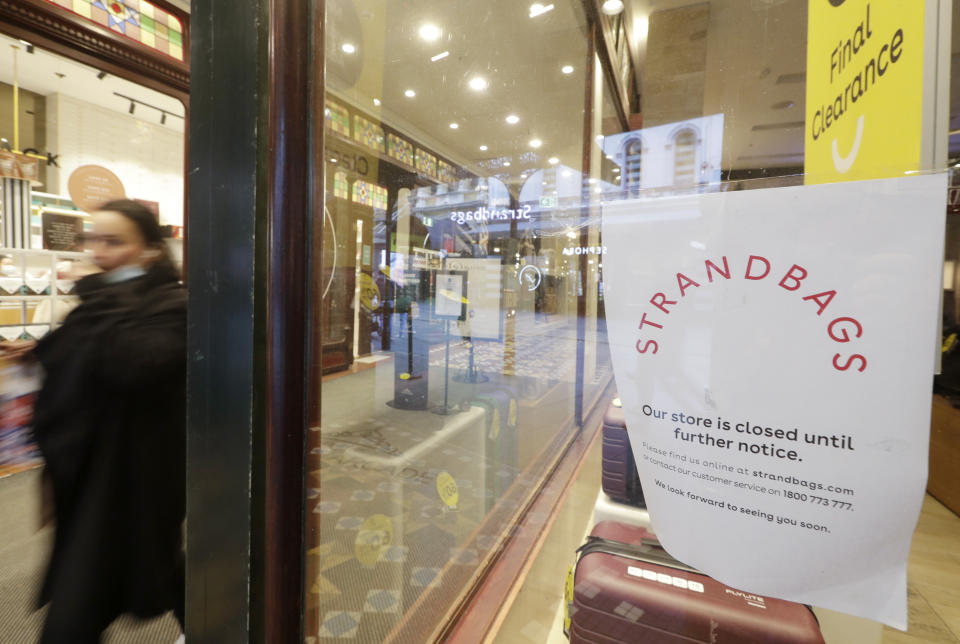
110, 423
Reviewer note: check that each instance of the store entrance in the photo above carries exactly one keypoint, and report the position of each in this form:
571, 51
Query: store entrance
72, 136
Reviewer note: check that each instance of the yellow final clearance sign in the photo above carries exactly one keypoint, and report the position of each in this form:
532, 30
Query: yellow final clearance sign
864, 113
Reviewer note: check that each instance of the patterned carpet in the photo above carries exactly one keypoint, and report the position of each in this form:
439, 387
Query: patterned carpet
390, 521
23, 552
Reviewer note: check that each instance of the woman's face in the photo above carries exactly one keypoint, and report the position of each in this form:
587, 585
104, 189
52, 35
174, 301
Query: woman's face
115, 241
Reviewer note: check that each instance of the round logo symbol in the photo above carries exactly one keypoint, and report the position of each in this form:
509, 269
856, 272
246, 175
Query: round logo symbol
837, 3
447, 489
374, 535
530, 277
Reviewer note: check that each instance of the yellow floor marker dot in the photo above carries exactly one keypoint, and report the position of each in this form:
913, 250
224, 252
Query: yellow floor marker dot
447, 489
374, 535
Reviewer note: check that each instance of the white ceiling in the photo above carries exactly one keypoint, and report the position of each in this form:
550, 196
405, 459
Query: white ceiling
38, 72
521, 58
753, 47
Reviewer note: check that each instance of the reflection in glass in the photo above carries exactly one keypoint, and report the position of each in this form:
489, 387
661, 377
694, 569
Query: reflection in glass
409, 504
483, 139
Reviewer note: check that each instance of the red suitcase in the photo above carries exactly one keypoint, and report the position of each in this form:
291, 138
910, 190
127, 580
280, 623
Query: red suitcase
626, 588
620, 480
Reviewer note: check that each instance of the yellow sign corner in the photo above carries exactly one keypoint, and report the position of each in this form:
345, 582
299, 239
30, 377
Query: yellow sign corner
864, 107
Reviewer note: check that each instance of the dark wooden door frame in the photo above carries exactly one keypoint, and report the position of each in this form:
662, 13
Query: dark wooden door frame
224, 341
291, 63
249, 348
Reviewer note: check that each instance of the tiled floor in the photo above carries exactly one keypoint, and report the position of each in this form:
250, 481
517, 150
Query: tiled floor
934, 579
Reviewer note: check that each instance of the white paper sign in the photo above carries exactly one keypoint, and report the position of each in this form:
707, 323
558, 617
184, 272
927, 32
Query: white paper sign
449, 303
772, 349
484, 292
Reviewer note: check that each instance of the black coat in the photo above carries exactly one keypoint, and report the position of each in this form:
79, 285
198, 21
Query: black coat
110, 422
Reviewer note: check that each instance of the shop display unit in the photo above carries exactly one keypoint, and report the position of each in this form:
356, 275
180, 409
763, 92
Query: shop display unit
35, 292
35, 296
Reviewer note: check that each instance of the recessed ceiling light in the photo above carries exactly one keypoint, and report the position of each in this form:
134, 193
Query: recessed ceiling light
429, 32
554, 160
409, 93
440, 56
376, 102
567, 69
454, 126
506, 164
612, 7
513, 119
349, 48
479, 83
538, 9
535, 143
483, 148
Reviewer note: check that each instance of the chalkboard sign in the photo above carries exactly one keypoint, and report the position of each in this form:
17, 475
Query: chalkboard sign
62, 232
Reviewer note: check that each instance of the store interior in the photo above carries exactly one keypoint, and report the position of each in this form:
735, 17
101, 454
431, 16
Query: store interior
59, 117
469, 152
427, 124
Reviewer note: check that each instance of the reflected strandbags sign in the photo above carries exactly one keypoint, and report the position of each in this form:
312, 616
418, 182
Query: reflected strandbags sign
773, 352
864, 108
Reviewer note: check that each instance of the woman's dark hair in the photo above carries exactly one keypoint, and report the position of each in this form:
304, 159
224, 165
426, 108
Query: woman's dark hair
148, 225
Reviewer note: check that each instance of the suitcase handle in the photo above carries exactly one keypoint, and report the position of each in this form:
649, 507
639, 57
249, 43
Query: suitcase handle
647, 553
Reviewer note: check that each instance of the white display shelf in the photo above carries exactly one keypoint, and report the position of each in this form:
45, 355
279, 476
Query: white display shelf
27, 314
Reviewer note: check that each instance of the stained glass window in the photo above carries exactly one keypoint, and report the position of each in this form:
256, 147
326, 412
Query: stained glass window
369, 134
426, 163
138, 20
379, 197
400, 150
447, 173
338, 118
370, 194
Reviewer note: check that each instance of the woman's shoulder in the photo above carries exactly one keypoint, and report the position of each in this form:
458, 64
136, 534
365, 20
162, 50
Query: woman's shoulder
167, 296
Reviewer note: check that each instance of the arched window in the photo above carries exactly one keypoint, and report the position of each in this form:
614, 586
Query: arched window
632, 165
685, 158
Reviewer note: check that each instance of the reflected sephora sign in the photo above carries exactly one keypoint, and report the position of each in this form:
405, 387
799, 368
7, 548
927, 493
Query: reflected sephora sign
585, 250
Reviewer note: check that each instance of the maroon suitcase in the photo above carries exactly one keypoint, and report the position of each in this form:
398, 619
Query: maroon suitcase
620, 480
626, 588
